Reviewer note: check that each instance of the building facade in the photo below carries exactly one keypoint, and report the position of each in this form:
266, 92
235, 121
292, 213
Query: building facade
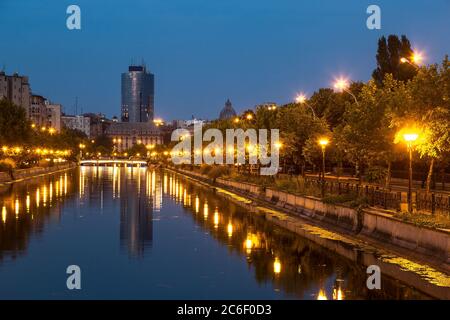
227, 112
126, 135
16, 89
38, 110
99, 124
80, 123
54, 112
138, 94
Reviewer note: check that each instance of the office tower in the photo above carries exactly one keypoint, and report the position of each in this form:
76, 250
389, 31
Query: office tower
138, 93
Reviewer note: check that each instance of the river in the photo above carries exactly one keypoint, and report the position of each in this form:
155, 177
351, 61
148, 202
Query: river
142, 234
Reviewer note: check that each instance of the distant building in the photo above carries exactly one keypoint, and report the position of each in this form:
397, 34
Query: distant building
126, 135
54, 112
16, 89
43, 113
80, 123
98, 124
138, 94
38, 110
227, 112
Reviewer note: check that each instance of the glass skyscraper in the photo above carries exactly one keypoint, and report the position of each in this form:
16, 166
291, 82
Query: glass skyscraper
138, 95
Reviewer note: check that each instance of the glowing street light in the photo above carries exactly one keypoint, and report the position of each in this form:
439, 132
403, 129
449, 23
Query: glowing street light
323, 142
249, 116
410, 138
343, 85
301, 99
81, 146
414, 60
278, 145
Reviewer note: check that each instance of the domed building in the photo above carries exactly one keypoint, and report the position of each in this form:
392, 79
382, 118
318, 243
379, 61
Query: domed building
227, 111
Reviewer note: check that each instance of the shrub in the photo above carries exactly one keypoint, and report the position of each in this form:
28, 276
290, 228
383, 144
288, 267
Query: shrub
218, 171
7, 165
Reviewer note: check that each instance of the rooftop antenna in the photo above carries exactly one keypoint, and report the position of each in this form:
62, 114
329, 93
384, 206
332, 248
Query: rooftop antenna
76, 105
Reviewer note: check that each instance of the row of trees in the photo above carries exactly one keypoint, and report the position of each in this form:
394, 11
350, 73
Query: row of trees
366, 132
17, 131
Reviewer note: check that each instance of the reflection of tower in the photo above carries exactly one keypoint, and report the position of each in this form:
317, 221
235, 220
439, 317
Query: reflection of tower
136, 215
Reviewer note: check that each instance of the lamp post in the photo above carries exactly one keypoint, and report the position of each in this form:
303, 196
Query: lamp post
415, 59
301, 99
81, 146
323, 143
410, 138
342, 84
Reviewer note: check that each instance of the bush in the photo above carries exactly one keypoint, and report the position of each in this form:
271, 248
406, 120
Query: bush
7, 165
375, 174
351, 200
217, 172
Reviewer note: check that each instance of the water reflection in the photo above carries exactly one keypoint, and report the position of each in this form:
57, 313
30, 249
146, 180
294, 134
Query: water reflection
136, 211
296, 266
137, 199
27, 208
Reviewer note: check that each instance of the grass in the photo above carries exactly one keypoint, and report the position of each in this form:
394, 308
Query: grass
424, 219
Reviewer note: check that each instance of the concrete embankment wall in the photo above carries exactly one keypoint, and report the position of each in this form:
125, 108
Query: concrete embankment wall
32, 172
371, 223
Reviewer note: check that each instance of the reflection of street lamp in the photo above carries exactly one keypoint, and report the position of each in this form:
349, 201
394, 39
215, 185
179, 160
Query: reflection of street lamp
323, 143
410, 138
301, 99
343, 84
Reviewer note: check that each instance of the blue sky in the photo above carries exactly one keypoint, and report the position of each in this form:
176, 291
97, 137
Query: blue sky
205, 51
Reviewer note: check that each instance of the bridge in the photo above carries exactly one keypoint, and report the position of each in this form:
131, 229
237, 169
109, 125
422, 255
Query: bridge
113, 162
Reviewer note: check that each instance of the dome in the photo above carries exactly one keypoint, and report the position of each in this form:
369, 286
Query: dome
227, 111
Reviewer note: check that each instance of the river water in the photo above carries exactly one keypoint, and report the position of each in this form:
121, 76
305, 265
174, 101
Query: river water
143, 234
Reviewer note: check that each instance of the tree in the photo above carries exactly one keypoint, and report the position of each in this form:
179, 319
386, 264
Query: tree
14, 126
331, 105
365, 136
297, 125
389, 55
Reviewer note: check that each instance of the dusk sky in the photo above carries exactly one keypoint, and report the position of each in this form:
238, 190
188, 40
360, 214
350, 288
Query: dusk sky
205, 51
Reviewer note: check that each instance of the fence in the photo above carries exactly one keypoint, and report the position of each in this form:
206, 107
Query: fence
434, 203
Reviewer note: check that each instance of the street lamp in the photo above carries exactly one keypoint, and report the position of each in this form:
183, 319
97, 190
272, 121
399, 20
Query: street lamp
323, 142
415, 59
301, 99
410, 138
343, 85
81, 146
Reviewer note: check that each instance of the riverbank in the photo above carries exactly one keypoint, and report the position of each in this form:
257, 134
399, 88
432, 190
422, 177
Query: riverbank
23, 174
379, 228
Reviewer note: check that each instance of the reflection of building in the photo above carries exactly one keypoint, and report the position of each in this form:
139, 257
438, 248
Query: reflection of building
80, 123
136, 215
126, 135
138, 94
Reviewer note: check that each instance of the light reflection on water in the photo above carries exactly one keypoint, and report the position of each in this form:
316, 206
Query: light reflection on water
156, 235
